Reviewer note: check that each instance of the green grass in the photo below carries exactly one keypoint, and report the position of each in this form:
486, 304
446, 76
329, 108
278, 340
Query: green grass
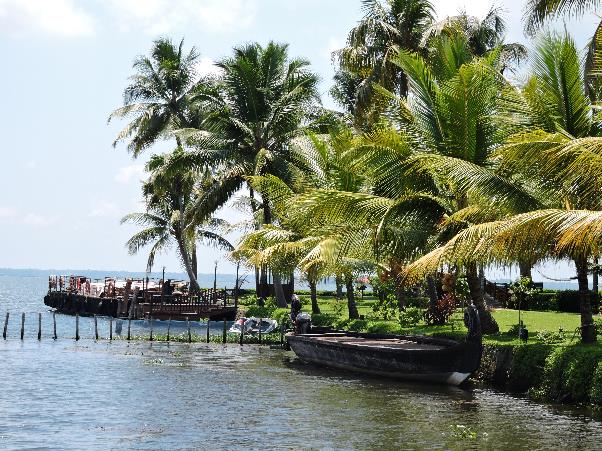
537, 321
534, 321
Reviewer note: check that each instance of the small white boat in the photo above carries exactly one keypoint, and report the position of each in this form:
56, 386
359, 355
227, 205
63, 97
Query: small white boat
252, 325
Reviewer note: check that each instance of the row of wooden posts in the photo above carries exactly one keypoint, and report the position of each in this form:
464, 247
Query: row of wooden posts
96, 335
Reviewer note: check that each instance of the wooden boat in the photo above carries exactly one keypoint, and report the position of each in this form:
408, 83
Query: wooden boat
418, 358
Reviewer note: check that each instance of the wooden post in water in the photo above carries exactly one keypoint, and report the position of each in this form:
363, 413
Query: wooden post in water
224, 333
54, 325
76, 327
168, 328
129, 327
207, 330
188, 326
22, 325
39, 326
150, 319
5, 326
110, 328
260, 330
95, 328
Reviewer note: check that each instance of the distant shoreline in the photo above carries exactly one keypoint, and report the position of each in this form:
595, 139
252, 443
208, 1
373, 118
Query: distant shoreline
206, 279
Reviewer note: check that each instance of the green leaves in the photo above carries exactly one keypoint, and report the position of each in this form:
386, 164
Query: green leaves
559, 88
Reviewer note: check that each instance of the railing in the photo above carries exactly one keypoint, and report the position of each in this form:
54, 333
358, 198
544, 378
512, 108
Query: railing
204, 302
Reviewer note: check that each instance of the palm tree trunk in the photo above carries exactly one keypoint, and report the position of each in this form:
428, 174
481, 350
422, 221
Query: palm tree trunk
524, 268
399, 293
315, 308
313, 289
253, 203
339, 283
194, 262
488, 323
351, 306
194, 286
588, 331
432, 291
278, 291
400, 296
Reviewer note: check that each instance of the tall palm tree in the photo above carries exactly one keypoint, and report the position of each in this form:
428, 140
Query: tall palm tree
538, 11
386, 27
158, 97
483, 35
261, 104
169, 198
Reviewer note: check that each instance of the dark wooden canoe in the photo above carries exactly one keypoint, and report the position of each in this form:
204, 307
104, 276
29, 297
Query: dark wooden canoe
415, 358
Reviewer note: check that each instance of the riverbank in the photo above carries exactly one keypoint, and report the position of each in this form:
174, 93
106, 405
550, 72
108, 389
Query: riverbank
552, 366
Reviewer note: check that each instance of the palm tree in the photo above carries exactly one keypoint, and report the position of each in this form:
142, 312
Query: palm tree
159, 95
483, 35
386, 27
169, 198
538, 11
261, 103
560, 156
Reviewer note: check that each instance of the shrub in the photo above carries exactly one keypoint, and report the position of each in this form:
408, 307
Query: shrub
417, 301
527, 368
595, 393
260, 312
568, 301
384, 308
411, 316
323, 319
383, 327
543, 301
441, 312
338, 306
569, 374
548, 337
281, 315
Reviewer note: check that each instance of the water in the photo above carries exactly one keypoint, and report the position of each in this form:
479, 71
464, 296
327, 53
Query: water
80, 395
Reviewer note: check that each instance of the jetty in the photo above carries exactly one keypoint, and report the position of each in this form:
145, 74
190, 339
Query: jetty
139, 299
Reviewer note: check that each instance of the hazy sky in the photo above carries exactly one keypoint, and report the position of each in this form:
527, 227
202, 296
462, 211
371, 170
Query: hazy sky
63, 187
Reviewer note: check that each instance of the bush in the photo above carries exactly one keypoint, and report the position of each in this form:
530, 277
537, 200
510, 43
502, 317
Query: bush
323, 319
417, 301
595, 393
281, 315
548, 337
568, 301
569, 374
383, 327
442, 311
527, 368
259, 312
384, 308
411, 316
543, 301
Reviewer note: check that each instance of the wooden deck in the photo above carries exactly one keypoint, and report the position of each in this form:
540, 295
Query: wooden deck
207, 304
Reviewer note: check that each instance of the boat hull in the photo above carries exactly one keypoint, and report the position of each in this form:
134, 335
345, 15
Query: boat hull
418, 359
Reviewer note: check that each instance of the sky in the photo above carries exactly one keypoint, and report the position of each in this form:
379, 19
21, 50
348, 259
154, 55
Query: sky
63, 187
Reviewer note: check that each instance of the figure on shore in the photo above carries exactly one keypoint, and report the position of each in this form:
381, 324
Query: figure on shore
295, 307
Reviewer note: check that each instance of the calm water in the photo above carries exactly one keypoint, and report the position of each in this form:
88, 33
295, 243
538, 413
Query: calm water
68, 395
